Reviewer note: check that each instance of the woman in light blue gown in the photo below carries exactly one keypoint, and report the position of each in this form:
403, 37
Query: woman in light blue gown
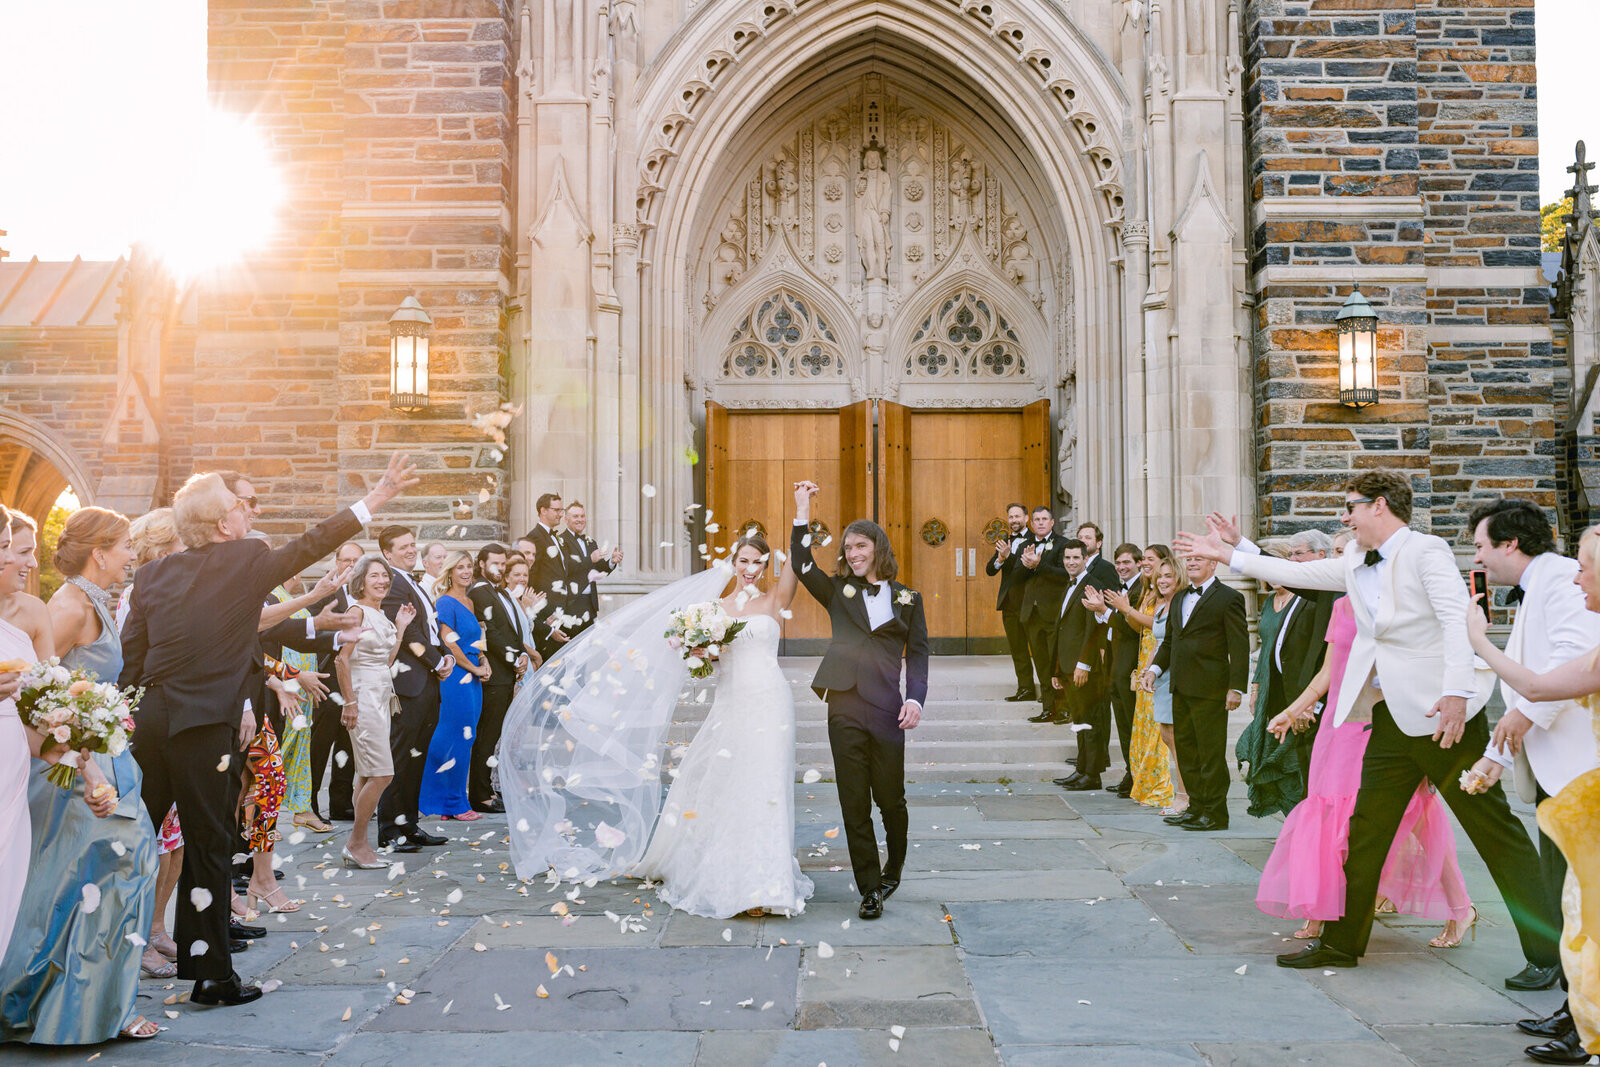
71, 973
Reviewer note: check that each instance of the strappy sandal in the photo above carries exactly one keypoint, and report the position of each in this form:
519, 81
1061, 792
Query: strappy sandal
161, 968
1444, 941
137, 1030
276, 900
311, 821
1305, 932
164, 944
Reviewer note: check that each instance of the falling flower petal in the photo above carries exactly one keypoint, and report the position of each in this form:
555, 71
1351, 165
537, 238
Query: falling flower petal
91, 897
609, 836
200, 897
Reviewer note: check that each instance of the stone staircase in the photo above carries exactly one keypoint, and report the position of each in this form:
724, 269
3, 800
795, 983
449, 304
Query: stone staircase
968, 731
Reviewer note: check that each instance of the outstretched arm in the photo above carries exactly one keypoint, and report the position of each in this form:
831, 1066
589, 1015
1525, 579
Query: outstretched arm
1573, 679
801, 560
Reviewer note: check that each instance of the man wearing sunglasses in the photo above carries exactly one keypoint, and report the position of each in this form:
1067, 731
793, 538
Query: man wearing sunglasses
1410, 674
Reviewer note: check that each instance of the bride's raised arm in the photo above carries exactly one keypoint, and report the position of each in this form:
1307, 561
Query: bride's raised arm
1573, 679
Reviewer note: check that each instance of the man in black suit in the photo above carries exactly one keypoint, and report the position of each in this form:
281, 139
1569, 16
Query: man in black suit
1123, 657
548, 575
191, 642
1094, 562
878, 625
504, 642
1008, 601
586, 561
328, 734
1044, 584
1079, 677
1207, 653
423, 663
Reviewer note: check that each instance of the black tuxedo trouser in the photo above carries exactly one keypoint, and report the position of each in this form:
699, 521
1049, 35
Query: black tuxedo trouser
869, 764
1021, 661
1200, 731
328, 739
1041, 634
1123, 703
410, 733
186, 769
1394, 765
1092, 708
480, 779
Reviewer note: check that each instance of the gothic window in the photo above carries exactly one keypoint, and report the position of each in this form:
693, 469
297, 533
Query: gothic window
784, 337
965, 337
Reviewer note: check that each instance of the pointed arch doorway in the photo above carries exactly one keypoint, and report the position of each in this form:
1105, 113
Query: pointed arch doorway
937, 480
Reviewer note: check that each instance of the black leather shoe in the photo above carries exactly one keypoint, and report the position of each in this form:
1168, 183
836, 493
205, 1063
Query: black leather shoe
1204, 823
237, 945
239, 929
1020, 695
1124, 788
1084, 783
399, 844
1070, 781
492, 806
229, 991
1557, 1024
1566, 1049
871, 905
1183, 818
1063, 781
1535, 977
1043, 716
1316, 954
887, 886
423, 837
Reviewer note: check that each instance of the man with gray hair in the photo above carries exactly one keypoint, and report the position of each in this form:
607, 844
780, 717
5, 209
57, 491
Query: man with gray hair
1302, 642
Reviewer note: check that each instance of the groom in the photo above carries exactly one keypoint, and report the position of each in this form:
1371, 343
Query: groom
877, 624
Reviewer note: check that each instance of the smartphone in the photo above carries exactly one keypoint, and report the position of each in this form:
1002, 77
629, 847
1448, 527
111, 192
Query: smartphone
1480, 588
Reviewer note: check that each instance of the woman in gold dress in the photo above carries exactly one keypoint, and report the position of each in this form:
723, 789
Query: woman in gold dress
1150, 747
1572, 817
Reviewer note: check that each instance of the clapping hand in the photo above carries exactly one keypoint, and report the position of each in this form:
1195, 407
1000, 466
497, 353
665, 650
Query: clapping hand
1002, 549
1030, 557
1118, 599
404, 616
1094, 600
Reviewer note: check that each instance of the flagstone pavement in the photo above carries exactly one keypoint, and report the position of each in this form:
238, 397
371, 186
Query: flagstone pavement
1034, 927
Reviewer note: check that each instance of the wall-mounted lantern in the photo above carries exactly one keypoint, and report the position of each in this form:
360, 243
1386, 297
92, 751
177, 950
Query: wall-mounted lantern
409, 328
1358, 352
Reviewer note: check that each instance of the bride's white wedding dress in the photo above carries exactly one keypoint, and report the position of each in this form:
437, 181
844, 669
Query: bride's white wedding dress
725, 840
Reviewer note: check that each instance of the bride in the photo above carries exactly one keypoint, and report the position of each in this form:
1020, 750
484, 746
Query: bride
725, 841
581, 762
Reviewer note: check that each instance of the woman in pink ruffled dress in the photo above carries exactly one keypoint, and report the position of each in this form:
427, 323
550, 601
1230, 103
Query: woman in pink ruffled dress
1304, 877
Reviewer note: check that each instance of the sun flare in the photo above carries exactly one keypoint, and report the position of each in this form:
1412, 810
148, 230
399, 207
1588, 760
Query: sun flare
222, 199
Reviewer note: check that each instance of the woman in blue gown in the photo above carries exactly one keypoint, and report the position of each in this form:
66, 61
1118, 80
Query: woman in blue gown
71, 974
444, 777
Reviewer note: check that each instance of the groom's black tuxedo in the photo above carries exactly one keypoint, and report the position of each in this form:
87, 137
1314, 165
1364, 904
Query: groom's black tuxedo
860, 679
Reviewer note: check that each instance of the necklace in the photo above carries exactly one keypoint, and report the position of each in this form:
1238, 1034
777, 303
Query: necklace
100, 597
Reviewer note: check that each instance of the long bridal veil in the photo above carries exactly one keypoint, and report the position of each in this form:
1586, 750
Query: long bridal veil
581, 755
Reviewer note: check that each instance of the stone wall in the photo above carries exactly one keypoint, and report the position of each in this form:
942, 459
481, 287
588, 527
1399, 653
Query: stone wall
1395, 146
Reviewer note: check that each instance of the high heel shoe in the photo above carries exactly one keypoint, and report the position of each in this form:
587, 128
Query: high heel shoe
276, 901
351, 861
1443, 941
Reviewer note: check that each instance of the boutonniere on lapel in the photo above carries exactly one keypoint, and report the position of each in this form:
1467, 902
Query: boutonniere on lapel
906, 597
849, 589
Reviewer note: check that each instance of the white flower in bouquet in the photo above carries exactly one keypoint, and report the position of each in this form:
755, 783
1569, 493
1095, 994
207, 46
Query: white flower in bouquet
74, 711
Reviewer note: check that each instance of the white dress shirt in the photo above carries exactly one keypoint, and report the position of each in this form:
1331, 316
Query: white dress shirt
878, 602
1552, 626
1066, 602
1191, 597
427, 604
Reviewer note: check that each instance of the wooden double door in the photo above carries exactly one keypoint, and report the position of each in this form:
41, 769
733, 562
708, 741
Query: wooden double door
938, 482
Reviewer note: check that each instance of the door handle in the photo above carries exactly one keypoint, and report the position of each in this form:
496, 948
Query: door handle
958, 563
972, 562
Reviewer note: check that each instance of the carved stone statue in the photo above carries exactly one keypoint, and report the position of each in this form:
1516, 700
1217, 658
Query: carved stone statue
1066, 455
964, 186
782, 188
727, 265
874, 201
1017, 262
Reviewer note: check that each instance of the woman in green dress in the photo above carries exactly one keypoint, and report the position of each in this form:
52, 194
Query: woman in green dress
1272, 772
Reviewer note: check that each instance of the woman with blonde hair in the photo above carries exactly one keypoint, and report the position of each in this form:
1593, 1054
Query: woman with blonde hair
444, 777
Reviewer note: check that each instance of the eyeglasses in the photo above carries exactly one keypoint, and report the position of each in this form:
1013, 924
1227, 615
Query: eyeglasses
250, 500
1350, 505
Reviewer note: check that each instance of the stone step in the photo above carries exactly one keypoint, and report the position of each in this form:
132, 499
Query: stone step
966, 710
932, 729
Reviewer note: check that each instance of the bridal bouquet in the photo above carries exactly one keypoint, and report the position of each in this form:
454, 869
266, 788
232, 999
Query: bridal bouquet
76, 712
698, 633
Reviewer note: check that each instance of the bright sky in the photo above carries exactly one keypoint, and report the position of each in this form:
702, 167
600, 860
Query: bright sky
99, 144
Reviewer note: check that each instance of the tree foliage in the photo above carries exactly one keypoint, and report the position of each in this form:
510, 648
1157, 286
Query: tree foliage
49, 578
1553, 223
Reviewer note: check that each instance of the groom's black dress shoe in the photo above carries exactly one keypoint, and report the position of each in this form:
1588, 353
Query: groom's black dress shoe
399, 843
872, 905
1070, 781
1203, 822
887, 886
1534, 976
1557, 1024
230, 991
1022, 694
1063, 781
492, 806
1316, 954
1565, 1049
1183, 818
1084, 784
423, 837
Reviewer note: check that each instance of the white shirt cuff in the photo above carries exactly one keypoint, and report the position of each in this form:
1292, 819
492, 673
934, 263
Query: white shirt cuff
360, 510
311, 628
1104, 616
1508, 762
1153, 669
801, 522
1465, 694
1085, 667
918, 703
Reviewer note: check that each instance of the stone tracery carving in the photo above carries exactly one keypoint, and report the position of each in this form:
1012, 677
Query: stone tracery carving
783, 337
966, 337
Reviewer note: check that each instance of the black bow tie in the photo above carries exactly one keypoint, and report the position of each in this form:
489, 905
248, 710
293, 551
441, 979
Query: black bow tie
1373, 558
1514, 595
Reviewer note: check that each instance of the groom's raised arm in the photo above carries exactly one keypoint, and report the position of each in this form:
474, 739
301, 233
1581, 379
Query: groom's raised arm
800, 557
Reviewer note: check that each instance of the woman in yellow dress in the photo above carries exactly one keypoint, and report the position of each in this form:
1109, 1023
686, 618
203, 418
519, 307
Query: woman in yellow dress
1571, 818
1150, 747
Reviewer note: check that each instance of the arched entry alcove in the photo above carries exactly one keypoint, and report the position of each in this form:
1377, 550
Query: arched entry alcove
945, 197
35, 469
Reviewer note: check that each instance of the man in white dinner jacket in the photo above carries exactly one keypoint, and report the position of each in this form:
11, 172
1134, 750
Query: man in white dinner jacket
1549, 741
1410, 674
